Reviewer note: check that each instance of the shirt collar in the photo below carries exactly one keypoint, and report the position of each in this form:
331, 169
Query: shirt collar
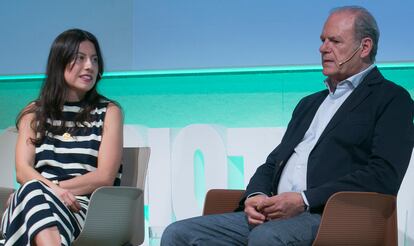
352, 81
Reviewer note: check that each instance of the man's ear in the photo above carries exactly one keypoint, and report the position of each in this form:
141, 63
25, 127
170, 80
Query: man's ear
366, 47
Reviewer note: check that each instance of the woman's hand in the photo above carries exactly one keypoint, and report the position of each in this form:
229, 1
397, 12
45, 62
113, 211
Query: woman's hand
68, 199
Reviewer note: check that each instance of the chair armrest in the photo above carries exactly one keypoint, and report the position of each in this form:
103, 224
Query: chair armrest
114, 215
4, 195
222, 201
358, 218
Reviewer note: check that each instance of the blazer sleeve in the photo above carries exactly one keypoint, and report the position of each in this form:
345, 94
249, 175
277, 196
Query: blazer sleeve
264, 178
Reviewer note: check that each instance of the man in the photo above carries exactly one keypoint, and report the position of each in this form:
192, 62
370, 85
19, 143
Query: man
355, 136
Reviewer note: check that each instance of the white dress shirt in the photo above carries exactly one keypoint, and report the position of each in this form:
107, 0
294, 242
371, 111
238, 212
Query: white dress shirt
293, 176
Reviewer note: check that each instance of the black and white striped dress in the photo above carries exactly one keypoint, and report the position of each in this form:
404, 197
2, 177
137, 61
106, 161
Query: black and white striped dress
34, 206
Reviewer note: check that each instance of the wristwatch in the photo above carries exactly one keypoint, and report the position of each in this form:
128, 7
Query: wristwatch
306, 207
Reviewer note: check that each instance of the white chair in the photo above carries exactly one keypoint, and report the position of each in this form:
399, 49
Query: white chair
7, 145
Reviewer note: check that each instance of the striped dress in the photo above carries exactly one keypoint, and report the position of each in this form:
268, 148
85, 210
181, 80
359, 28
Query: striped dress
34, 205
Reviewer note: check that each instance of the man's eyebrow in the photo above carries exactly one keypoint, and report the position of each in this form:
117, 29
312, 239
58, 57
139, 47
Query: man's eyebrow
330, 37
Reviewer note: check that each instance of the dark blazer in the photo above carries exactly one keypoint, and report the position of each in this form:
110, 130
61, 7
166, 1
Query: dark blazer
366, 146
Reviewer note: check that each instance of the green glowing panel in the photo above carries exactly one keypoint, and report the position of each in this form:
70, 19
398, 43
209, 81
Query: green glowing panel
235, 172
173, 217
199, 178
16, 185
239, 97
146, 212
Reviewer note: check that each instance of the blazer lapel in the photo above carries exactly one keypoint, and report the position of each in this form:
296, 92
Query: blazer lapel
356, 98
303, 124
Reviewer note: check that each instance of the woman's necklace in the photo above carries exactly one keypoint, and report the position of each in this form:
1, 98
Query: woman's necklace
67, 136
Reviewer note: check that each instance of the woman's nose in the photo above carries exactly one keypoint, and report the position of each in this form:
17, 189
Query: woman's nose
88, 63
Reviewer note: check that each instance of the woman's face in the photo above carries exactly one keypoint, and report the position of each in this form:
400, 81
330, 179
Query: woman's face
81, 73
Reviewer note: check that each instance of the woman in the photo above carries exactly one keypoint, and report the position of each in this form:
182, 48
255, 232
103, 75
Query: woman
69, 144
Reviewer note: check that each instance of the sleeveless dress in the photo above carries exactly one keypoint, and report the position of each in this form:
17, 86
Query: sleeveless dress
34, 206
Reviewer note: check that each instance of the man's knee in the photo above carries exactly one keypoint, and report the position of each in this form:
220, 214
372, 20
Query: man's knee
262, 235
169, 233
174, 233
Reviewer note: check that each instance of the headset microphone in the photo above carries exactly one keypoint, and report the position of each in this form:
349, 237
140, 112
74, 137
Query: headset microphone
350, 57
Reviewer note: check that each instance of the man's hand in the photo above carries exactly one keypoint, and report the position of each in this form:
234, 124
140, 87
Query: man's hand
282, 206
251, 206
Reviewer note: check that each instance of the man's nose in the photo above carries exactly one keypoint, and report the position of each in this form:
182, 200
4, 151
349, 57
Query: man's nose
324, 48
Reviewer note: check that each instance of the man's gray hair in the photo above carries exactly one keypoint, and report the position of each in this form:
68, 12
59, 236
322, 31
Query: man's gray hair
365, 26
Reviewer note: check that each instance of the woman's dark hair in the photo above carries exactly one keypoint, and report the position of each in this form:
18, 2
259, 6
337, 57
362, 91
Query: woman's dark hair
52, 96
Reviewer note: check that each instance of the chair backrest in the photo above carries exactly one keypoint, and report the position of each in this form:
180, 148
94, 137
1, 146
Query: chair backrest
358, 218
108, 220
134, 172
221, 201
7, 157
134, 166
116, 214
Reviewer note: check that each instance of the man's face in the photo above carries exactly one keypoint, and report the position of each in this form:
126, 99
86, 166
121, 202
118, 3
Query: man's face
340, 52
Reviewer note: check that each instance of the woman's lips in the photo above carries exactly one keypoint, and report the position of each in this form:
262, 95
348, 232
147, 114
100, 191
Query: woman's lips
86, 77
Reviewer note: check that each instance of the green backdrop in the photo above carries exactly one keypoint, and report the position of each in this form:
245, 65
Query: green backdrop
239, 97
